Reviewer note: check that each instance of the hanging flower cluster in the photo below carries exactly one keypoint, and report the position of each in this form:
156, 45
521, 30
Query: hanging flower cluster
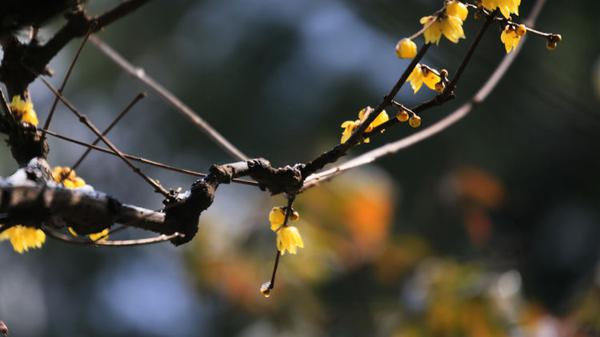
288, 237
23, 238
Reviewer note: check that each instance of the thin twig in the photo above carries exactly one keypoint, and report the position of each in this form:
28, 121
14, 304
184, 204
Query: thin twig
288, 213
434, 129
142, 160
167, 96
65, 80
108, 129
82, 118
119, 243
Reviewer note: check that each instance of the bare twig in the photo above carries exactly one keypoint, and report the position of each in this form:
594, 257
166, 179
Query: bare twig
82, 118
65, 80
167, 96
109, 243
142, 160
108, 129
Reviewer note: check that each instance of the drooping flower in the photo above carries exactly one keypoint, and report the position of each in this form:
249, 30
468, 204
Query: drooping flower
23, 110
406, 49
350, 126
289, 239
23, 238
448, 24
511, 36
423, 74
506, 7
277, 217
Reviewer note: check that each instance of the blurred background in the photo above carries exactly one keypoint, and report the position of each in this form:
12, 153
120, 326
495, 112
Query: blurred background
489, 229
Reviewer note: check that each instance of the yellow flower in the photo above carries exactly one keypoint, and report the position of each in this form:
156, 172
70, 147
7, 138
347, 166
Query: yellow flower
452, 28
406, 49
511, 36
350, 126
448, 24
380, 119
100, 236
23, 110
23, 238
433, 33
67, 177
506, 7
423, 74
288, 239
458, 9
277, 217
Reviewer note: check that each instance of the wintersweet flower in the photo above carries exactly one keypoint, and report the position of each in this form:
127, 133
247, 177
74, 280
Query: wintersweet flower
406, 49
350, 126
458, 9
23, 110
506, 7
67, 177
277, 217
23, 238
448, 23
511, 36
423, 74
288, 239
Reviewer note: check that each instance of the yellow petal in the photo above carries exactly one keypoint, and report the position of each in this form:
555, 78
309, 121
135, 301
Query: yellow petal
458, 9
289, 239
23, 238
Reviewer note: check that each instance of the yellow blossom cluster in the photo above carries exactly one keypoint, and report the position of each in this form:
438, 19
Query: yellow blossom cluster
288, 237
350, 126
23, 110
23, 238
506, 7
511, 36
448, 23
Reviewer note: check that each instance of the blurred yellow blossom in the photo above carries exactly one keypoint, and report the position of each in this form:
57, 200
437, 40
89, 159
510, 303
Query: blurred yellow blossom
23, 238
23, 110
506, 7
277, 217
288, 239
67, 177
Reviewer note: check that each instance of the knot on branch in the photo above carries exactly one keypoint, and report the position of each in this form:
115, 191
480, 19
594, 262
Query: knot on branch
182, 214
287, 179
